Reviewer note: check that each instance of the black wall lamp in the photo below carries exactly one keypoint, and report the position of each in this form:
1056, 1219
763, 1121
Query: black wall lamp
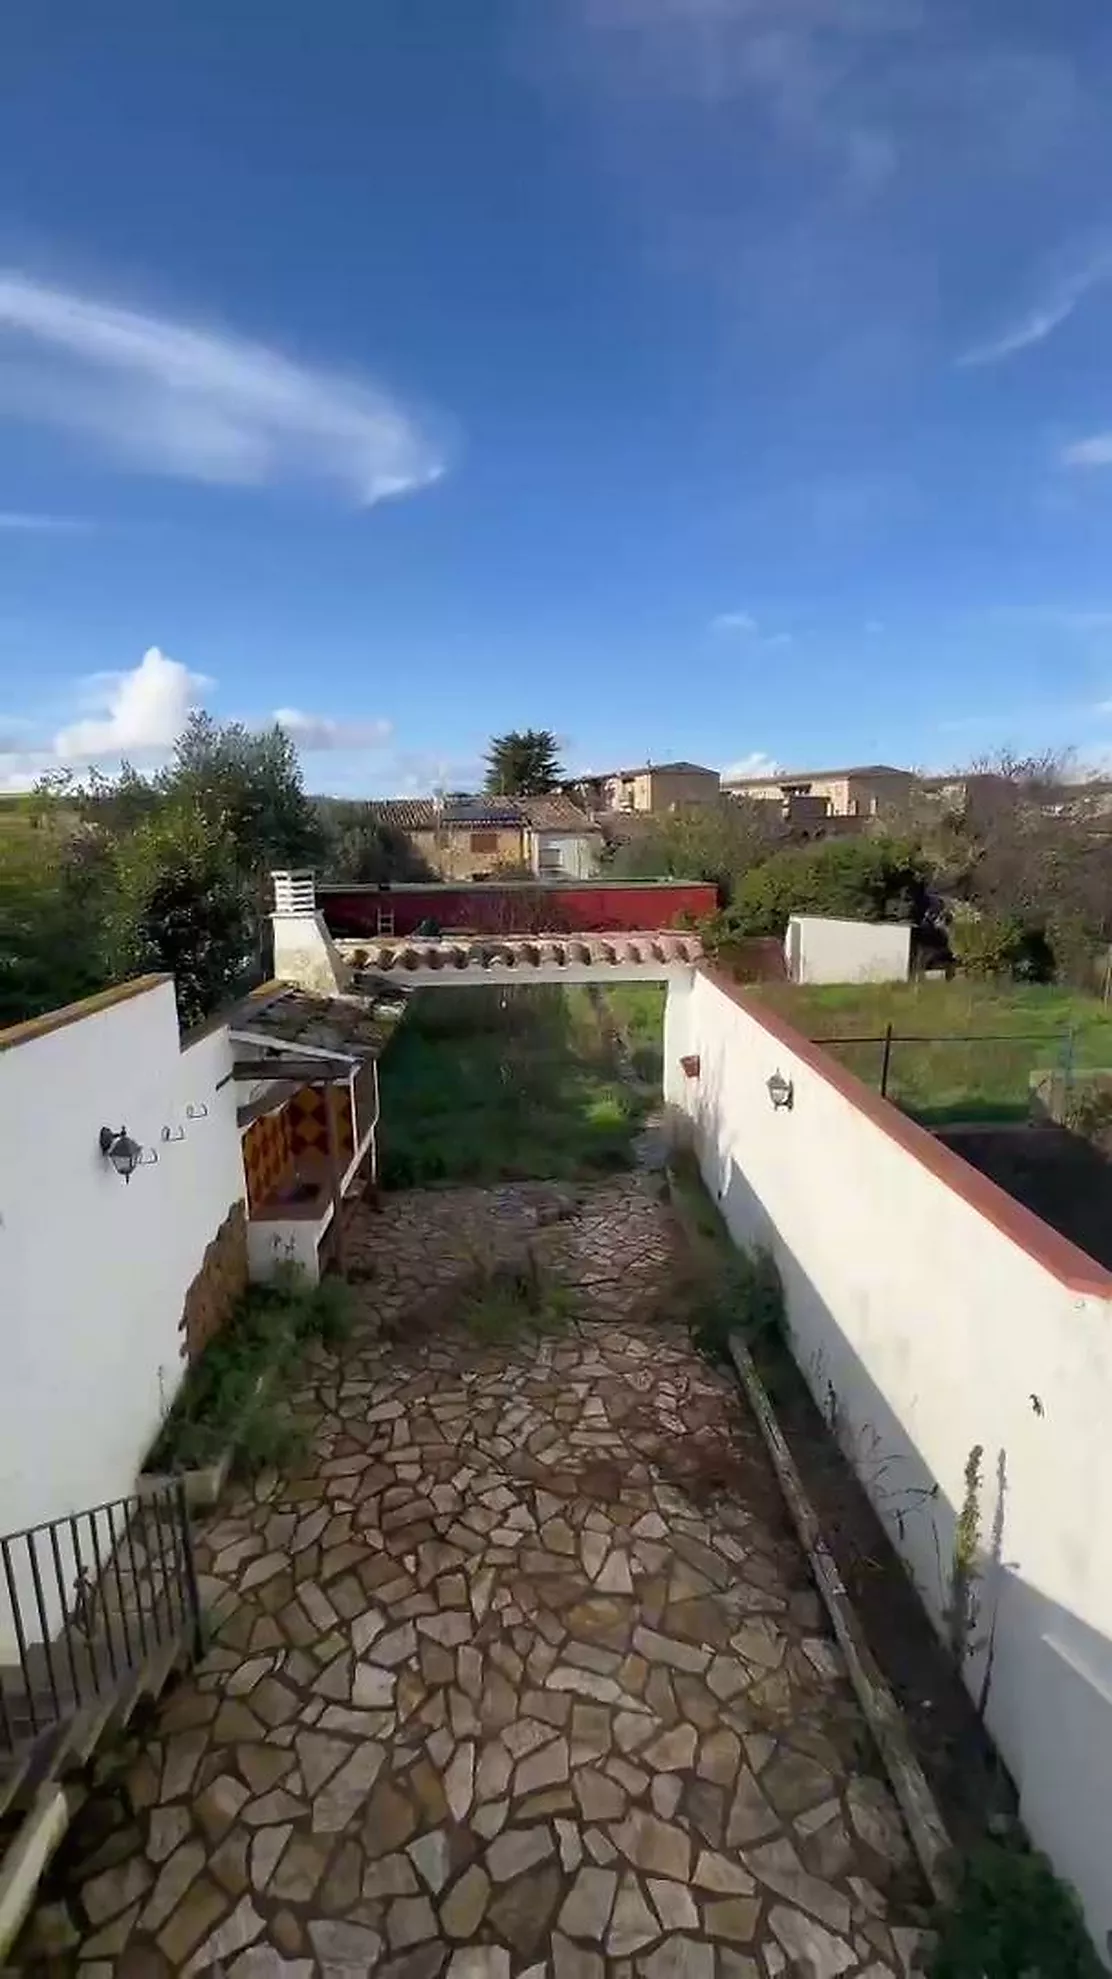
781, 1091
126, 1155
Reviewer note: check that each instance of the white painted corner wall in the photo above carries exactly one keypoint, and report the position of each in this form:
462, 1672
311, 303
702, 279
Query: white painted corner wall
93, 1270
927, 1330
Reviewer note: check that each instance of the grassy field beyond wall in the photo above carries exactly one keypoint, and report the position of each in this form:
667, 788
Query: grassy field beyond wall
961, 1050
491, 1085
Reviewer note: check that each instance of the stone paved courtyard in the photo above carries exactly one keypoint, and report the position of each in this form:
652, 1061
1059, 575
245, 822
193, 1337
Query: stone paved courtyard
521, 1673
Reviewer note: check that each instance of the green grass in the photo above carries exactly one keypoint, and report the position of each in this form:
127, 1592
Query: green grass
987, 1039
488, 1085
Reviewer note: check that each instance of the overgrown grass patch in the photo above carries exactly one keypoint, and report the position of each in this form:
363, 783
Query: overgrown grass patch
491, 1084
234, 1394
510, 1299
962, 1050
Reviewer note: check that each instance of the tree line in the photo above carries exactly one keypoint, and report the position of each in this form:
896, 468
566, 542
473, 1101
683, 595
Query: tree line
109, 878
1013, 879
105, 878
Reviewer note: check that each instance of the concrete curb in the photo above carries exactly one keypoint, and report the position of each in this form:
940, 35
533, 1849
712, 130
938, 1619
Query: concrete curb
922, 1817
25, 1861
204, 1484
885, 1719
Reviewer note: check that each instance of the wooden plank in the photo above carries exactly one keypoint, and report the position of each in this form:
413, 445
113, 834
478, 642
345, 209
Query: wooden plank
294, 1071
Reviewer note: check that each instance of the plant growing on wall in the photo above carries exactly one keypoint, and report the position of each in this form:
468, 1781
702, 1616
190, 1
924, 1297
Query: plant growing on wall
964, 1606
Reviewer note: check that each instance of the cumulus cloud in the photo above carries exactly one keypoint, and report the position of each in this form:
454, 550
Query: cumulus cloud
315, 732
143, 711
202, 404
139, 714
757, 763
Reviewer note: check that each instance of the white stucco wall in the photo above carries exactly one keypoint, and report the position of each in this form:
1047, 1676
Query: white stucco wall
93, 1270
305, 953
934, 1327
818, 950
577, 852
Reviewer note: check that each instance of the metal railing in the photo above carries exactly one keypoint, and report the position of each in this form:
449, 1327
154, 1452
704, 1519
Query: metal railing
85, 1601
935, 1072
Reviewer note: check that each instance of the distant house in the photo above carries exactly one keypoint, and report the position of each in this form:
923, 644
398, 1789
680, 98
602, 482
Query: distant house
654, 787
808, 796
462, 837
560, 841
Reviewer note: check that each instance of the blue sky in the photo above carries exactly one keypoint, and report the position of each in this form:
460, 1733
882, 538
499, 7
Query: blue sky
715, 378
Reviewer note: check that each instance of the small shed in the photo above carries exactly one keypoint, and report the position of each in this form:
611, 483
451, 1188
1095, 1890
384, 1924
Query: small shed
822, 950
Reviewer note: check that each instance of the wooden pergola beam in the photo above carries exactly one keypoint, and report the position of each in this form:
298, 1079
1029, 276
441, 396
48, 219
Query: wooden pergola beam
295, 1071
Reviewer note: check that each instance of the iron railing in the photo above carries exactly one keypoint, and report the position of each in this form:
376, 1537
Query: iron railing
85, 1601
931, 1073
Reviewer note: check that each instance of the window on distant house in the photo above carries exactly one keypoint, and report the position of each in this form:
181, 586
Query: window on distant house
484, 841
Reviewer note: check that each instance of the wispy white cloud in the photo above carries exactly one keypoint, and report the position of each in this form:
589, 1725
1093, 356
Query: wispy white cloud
27, 522
742, 622
319, 732
202, 404
743, 626
756, 764
1096, 451
1045, 316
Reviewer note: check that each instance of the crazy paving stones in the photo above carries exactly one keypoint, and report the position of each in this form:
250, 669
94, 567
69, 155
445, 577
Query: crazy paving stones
517, 1677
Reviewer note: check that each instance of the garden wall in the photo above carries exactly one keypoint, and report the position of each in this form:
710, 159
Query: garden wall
517, 906
96, 1273
931, 1315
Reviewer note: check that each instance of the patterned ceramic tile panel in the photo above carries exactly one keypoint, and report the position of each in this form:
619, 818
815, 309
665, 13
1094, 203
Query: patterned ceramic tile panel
308, 1130
267, 1156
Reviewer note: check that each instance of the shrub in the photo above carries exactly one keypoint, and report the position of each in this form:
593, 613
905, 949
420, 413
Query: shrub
1013, 1918
871, 879
987, 945
746, 1296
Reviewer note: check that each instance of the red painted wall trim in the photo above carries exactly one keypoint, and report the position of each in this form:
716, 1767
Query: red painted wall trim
1055, 1253
483, 907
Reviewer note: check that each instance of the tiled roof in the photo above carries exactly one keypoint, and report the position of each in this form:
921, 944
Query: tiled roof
406, 813
556, 812
814, 776
459, 813
481, 810
349, 1026
656, 769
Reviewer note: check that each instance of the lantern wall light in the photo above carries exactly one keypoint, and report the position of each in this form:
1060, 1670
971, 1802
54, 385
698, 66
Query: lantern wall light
780, 1091
125, 1154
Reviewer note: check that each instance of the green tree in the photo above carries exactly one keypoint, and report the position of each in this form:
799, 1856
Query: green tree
48, 923
359, 848
523, 763
250, 782
180, 903
719, 843
163, 872
861, 879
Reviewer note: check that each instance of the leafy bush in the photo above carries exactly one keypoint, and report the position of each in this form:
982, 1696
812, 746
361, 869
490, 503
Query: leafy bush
1013, 1919
986, 945
867, 879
